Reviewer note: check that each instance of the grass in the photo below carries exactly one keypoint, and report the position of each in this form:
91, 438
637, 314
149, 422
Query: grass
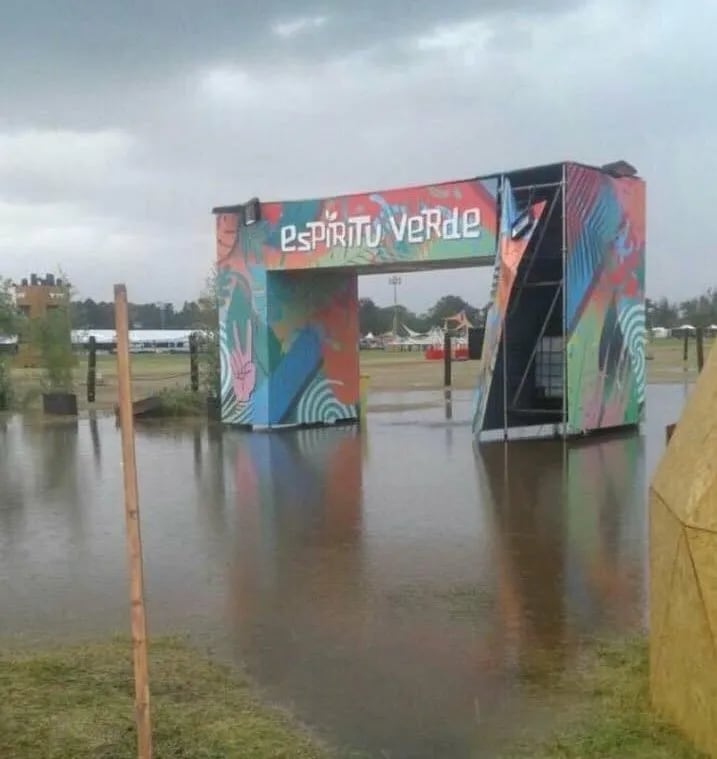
388, 371
611, 717
177, 402
162, 374
72, 703
77, 703
665, 362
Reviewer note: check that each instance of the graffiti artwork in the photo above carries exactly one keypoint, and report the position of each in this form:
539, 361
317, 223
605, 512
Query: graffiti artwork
510, 254
289, 296
289, 333
605, 304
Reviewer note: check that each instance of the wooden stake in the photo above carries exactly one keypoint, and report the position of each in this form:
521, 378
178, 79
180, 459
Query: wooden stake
193, 363
138, 620
700, 349
91, 369
447, 357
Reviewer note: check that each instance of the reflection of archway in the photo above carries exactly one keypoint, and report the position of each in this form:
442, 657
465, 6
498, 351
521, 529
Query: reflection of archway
525, 481
570, 545
319, 621
608, 538
298, 524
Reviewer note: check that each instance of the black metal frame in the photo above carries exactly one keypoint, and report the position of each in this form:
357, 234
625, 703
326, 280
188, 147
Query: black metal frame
554, 195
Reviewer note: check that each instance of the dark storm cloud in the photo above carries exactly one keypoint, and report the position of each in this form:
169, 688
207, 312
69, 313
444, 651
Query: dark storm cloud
111, 39
56, 54
122, 123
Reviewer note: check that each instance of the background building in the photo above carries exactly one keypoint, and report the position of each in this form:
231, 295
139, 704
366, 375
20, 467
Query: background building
36, 298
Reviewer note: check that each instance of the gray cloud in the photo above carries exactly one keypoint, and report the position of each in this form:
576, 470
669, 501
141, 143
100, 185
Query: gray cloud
124, 123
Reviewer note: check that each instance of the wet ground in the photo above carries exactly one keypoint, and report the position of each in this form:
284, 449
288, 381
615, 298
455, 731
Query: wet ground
399, 591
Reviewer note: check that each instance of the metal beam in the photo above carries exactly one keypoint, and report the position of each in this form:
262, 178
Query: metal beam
535, 249
564, 330
543, 186
543, 327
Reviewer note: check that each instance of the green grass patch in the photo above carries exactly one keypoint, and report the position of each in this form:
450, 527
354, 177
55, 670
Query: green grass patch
72, 703
178, 402
611, 715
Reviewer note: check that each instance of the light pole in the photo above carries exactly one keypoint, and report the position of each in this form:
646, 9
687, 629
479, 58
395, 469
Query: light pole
162, 306
395, 281
649, 311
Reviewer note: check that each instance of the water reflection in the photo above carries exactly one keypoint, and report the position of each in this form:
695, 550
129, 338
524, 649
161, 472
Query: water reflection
401, 592
569, 542
448, 403
332, 619
96, 444
12, 496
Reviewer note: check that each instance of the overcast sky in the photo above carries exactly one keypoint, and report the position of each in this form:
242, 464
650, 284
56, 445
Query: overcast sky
123, 122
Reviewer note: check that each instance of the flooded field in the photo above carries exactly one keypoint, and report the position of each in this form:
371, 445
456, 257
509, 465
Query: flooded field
399, 591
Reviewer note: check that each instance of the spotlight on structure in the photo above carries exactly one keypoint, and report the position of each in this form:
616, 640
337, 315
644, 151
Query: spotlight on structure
619, 169
252, 212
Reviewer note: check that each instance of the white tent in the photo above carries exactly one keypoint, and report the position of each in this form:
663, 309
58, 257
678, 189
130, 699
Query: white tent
139, 339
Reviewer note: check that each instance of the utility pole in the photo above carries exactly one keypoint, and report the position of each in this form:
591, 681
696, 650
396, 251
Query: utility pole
395, 281
162, 306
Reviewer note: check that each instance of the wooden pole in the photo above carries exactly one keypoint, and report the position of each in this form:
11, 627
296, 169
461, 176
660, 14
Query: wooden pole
447, 348
91, 369
134, 539
700, 349
193, 363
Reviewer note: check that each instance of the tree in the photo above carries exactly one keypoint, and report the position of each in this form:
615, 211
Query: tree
207, 325
190, 314
9, 315
372, 318
51, 335
90, 314
662, 313
10, 325
450, 305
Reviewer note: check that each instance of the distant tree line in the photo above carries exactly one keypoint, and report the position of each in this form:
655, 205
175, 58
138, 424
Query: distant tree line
379, 319
699, 312
91, 314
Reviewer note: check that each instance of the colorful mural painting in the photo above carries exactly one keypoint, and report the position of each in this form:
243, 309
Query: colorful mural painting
510, 254
289, 333
431, 224
605, 299
289, 296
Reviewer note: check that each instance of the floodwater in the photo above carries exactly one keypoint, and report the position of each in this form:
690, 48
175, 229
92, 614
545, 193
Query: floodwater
401, 593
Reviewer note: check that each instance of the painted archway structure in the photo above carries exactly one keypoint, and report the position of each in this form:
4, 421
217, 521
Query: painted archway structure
564, 343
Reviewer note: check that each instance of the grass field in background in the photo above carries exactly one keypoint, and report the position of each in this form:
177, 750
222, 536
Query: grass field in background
388, 370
